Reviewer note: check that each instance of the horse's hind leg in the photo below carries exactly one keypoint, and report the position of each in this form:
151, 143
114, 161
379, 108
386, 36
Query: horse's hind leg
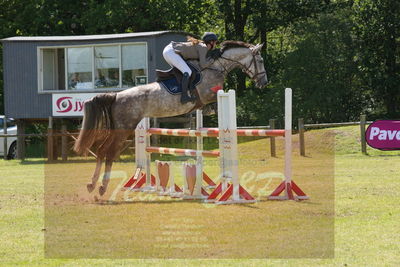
117, 140
100, 158
91, 186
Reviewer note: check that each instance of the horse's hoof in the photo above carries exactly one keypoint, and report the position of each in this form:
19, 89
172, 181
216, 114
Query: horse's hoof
102, 190
90, 187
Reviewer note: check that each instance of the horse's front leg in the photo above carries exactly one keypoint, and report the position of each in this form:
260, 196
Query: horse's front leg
91, 186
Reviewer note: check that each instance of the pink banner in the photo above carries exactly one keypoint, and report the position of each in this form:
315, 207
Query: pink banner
384, 135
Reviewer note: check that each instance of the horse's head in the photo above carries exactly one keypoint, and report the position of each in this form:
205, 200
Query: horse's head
257, 70
248, 58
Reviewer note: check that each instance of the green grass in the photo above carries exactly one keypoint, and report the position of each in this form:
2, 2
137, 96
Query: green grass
366, 211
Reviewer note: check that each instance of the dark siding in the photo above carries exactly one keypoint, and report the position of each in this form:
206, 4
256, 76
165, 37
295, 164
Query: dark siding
151, 59
20, 83
21, 97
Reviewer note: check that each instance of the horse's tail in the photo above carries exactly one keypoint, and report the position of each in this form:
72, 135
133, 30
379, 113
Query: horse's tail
97, 122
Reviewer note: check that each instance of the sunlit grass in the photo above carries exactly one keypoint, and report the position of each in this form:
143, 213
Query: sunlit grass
367, 214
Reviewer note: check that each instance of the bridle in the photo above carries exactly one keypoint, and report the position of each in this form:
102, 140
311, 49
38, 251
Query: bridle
245, 68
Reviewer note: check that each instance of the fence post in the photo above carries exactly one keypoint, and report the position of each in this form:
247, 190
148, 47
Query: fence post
363, 119
301, 137
50, 146
64, 142
272, 138
20, 140
5, 138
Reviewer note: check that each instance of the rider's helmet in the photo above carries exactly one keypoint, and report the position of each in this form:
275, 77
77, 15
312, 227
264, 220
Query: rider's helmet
209, 36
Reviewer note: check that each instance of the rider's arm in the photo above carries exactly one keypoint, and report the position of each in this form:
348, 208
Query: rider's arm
204, 61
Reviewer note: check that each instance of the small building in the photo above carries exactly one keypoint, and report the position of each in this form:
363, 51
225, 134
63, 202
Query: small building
53, 75
49, 77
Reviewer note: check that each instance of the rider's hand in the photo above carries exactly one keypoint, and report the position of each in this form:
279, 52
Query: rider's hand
214, 54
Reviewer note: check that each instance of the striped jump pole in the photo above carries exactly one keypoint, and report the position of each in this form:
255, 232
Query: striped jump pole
201, 132
213, 132
182, 152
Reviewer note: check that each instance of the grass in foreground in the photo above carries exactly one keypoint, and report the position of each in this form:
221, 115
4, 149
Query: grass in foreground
366, 218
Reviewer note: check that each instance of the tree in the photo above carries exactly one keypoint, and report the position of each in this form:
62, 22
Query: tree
323, 69
252, 20
342, 53
378, 33
153, 15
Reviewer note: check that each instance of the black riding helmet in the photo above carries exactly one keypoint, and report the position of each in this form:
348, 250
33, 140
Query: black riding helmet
209, 36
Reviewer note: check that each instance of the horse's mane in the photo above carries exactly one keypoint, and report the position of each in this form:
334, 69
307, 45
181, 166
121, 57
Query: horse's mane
232, 44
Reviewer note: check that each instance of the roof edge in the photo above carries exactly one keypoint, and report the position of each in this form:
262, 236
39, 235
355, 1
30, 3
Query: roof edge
89, 37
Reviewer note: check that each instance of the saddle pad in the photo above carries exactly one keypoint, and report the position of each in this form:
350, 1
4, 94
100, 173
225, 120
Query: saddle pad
174, 87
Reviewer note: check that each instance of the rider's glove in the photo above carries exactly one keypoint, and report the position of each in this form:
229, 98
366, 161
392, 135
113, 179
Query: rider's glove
214, 54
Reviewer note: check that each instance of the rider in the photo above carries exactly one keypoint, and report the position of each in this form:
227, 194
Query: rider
176, 53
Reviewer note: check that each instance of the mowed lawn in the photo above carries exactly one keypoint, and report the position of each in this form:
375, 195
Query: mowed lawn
352, 218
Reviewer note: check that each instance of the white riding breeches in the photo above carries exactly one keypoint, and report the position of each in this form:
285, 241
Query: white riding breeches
175, 60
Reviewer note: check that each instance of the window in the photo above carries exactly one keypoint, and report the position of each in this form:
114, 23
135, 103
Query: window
10, 123
79, 65
107, 67
49, 69
134, 59
52, 69
92, 67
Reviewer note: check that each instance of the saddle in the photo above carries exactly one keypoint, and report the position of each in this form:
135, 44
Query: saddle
163, 75
171, 79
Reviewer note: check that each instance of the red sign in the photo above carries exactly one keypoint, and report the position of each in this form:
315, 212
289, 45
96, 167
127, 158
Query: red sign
69, 104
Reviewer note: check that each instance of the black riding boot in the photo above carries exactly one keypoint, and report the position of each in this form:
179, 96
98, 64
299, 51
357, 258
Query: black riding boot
185, 88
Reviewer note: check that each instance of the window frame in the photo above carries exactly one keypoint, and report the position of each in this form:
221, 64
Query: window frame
92, 46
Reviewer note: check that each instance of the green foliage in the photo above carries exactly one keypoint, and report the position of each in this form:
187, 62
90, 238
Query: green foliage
138, 15
323, 70
341, 57
377, 27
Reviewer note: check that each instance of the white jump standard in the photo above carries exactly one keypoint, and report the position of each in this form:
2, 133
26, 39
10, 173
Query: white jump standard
288, 186
229, 190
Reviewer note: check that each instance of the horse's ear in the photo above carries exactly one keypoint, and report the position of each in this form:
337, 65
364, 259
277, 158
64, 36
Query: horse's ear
256, 48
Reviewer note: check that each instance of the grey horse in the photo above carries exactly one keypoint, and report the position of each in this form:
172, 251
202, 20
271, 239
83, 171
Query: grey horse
110, 118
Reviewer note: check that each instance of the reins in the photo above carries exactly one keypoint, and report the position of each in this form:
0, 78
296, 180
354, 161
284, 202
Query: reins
245, 68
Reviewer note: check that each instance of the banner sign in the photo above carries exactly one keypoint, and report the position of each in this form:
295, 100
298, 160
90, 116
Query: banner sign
384, 135
69, 105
